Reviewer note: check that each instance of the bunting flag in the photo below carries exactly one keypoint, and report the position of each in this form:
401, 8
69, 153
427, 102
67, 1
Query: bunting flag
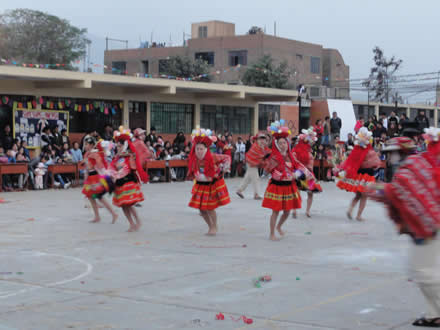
107, 108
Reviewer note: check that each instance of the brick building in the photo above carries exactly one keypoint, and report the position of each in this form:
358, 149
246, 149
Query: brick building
321, 70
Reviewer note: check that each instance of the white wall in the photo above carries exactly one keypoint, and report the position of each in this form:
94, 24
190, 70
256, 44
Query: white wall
345, 111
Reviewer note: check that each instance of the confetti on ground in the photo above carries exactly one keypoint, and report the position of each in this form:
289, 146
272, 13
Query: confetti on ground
356, 268
3, 201
20, 273
82, 282
297, 278
5, 273
262, 279
308, 233
31, 219
246, 320
373, 259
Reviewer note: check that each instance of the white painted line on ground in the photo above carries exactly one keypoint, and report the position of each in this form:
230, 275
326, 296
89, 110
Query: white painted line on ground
76, 278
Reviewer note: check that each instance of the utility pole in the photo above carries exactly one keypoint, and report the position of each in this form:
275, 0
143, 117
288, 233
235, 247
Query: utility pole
275, 28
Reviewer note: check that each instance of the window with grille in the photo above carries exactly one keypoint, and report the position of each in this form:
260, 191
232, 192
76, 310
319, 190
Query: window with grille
119, 67
172, 117
267, 114
163, 66
208, 57
203, 32
314, 92
315, 65
236, 120
237, 57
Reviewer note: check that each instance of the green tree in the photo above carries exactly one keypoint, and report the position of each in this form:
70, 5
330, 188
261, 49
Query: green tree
381, 75
264, 73
32, 36
186, 67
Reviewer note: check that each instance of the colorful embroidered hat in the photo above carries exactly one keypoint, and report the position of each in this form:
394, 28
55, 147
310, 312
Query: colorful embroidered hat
402, 143
432, 135
363, 137
123, 134
308, 135
204, 136
278, 130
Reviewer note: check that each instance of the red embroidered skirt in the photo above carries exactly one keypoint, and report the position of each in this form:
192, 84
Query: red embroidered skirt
127, 192
359, 183
282, 196
207, 196
97, 186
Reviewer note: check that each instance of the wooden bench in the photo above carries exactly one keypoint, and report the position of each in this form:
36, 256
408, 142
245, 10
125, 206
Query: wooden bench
157, 164
64, 169
18, 168
176, 163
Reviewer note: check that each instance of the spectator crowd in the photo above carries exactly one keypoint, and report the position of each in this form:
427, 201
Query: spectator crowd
56, 148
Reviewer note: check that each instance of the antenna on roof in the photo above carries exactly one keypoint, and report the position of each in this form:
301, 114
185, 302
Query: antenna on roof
275, 28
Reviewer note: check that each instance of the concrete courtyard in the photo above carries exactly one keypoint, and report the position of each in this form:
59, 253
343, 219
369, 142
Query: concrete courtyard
58, 271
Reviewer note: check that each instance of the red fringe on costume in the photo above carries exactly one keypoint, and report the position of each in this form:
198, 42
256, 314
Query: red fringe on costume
128, 194
283, 197
413, 197
358, 184
210, 195
97, 186
303, 152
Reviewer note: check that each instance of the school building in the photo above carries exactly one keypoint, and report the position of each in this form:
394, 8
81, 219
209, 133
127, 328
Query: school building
93, 100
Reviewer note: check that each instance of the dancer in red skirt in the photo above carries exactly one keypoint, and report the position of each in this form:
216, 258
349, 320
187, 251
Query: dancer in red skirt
358, 171
281, 193
127, 172
303, 153
97, 181
209, 191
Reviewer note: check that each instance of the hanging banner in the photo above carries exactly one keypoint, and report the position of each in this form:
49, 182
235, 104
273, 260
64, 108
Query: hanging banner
29, 124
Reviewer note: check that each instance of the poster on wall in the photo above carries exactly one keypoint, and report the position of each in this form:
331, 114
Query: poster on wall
29, 124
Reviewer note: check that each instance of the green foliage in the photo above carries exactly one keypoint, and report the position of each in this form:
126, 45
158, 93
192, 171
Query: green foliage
264, 73
32, 36
185, 67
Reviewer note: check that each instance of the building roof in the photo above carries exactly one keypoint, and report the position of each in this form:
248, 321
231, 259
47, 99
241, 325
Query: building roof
45, 78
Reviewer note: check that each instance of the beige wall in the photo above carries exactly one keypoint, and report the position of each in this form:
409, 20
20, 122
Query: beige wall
256, 45
215, 29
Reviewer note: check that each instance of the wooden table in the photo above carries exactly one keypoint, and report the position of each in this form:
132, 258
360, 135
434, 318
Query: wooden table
18, 168
64, 169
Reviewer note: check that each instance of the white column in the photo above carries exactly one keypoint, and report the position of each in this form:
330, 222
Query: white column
436, 117
125, 114
254, 128
148, 117
197, 115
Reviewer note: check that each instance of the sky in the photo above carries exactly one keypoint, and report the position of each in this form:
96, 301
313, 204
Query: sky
407, 29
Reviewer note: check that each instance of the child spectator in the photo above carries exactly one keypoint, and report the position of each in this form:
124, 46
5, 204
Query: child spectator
76, 153
39, 172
